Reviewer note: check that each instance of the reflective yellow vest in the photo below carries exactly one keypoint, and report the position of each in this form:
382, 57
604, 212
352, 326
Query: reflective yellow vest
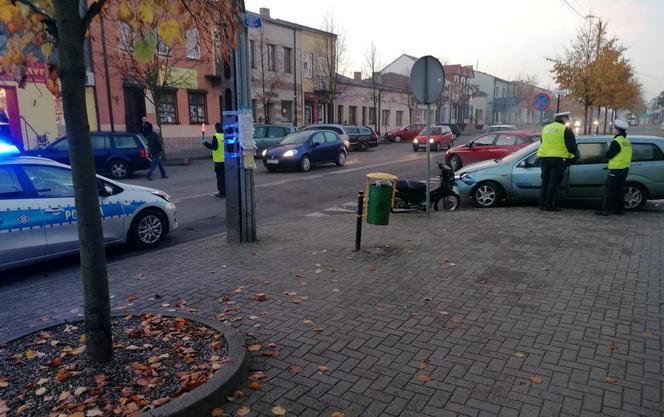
218, 154
624, 157
553, 142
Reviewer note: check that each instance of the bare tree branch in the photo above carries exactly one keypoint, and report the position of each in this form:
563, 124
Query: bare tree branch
92, 12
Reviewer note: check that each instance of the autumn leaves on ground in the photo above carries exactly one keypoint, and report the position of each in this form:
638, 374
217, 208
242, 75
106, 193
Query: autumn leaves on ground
156, 359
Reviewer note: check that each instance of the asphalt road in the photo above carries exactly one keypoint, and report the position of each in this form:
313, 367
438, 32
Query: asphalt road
280, 196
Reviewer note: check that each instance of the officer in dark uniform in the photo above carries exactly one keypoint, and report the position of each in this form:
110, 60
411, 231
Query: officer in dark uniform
557, 151
620, 158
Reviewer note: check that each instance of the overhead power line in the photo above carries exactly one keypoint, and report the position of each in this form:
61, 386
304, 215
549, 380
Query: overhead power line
572, 9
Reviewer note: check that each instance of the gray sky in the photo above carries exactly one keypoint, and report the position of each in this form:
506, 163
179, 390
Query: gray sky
506, 37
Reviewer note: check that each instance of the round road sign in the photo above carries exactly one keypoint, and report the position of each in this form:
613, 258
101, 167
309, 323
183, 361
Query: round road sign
427, 79
541, 102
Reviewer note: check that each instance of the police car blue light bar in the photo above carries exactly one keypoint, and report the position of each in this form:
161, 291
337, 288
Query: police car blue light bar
8, 149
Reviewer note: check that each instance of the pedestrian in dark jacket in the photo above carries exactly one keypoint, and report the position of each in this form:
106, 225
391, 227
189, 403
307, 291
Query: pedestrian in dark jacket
155, 148
146, 127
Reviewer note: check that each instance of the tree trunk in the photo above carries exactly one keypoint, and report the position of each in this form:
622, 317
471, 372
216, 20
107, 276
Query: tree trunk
585, 119
606, 114
71, 33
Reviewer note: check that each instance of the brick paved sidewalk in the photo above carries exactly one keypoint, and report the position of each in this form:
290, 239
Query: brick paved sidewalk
507, 312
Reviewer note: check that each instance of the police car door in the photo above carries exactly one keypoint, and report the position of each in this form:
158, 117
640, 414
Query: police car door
55, 193
22, 235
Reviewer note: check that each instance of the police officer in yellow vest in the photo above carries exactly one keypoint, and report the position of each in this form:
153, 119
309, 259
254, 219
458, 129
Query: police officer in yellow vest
557, 151
620, 158
217, 147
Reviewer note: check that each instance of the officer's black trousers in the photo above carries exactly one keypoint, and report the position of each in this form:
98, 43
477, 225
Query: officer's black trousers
614, 190
219, 170
553, 170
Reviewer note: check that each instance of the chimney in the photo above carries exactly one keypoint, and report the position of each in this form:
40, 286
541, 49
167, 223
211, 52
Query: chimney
357, 76
264, 12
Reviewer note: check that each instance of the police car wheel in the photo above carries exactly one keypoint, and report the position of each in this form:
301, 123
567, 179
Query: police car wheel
119, 169
148, 229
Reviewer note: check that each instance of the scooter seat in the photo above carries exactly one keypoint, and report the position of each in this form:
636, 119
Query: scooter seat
412, 186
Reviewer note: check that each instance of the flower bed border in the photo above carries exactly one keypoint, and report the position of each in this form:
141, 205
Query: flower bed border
203, 399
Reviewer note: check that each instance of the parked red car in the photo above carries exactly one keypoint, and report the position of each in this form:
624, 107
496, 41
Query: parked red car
405, 133
441, 137
494, 145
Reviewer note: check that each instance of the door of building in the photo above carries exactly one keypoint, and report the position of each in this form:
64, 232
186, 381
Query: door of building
134, 108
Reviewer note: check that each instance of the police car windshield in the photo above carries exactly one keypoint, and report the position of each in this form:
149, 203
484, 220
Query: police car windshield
299, 138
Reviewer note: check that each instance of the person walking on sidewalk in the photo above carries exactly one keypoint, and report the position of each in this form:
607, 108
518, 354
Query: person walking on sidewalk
620, 158
556, 152
155, 147
217, 147
146, 127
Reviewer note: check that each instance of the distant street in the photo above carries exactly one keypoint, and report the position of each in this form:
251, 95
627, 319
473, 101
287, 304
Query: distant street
281, 196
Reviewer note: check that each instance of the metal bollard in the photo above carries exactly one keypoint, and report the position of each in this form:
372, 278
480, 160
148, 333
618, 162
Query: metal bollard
360, 212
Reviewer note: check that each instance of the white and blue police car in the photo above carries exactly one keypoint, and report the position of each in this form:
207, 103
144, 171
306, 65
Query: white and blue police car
38, 216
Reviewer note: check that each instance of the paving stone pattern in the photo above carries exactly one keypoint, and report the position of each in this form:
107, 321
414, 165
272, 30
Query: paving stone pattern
503, 312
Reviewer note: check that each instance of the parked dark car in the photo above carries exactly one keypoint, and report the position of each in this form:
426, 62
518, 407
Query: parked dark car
361, 138
116, 154
302, 150
456, 130
338, 129
268, 135
404, 133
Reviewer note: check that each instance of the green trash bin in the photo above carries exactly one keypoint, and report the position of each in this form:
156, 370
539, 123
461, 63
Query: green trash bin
380, 204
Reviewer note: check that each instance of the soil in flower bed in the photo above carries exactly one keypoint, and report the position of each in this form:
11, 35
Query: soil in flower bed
155, 359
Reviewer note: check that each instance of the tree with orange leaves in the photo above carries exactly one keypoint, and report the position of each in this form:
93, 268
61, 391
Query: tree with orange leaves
35, 28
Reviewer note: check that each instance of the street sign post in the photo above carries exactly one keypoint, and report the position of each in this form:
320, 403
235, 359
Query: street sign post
427, 81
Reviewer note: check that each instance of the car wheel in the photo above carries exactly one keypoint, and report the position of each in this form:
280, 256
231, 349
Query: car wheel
449, 202
341, 159
455, 162
305, 163
487, 194
270, 169
635, 196
397, 138
148, 229
118, 169
363, 146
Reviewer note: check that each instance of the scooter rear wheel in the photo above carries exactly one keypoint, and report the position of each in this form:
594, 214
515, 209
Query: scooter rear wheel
449, 202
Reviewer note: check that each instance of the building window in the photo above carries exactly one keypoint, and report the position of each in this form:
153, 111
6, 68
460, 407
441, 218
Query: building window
308, 65
252, 53
271, 61
254, 109
399, 118
372, 115
340, 114
197, 107
168, 106
162, 48
191, 44
288, 57
287, 110
386, 117
352, 115
321, 73
125, 34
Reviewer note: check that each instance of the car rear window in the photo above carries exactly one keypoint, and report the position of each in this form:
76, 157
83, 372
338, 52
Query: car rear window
275, 132
646, 152
125, 142
365, 131
352, 130
10, 187
259, 132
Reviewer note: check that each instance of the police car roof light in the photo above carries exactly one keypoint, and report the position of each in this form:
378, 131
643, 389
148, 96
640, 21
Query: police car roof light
8, 149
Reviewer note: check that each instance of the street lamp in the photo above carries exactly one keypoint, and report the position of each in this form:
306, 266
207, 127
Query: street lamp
596, 124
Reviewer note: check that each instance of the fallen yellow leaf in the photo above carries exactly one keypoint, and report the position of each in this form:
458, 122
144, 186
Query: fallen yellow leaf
535, 379
243, 411
217, 412
279, 411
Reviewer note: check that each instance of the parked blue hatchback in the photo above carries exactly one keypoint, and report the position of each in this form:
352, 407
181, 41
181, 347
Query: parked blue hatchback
518, 175
116, 154
304, 149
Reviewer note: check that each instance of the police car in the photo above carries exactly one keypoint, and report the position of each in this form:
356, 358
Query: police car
38, 216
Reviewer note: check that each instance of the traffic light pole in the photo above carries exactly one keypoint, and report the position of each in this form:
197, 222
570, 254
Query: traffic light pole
240, 204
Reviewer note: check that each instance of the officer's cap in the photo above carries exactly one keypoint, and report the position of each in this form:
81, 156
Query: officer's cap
621, 124
562, 114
